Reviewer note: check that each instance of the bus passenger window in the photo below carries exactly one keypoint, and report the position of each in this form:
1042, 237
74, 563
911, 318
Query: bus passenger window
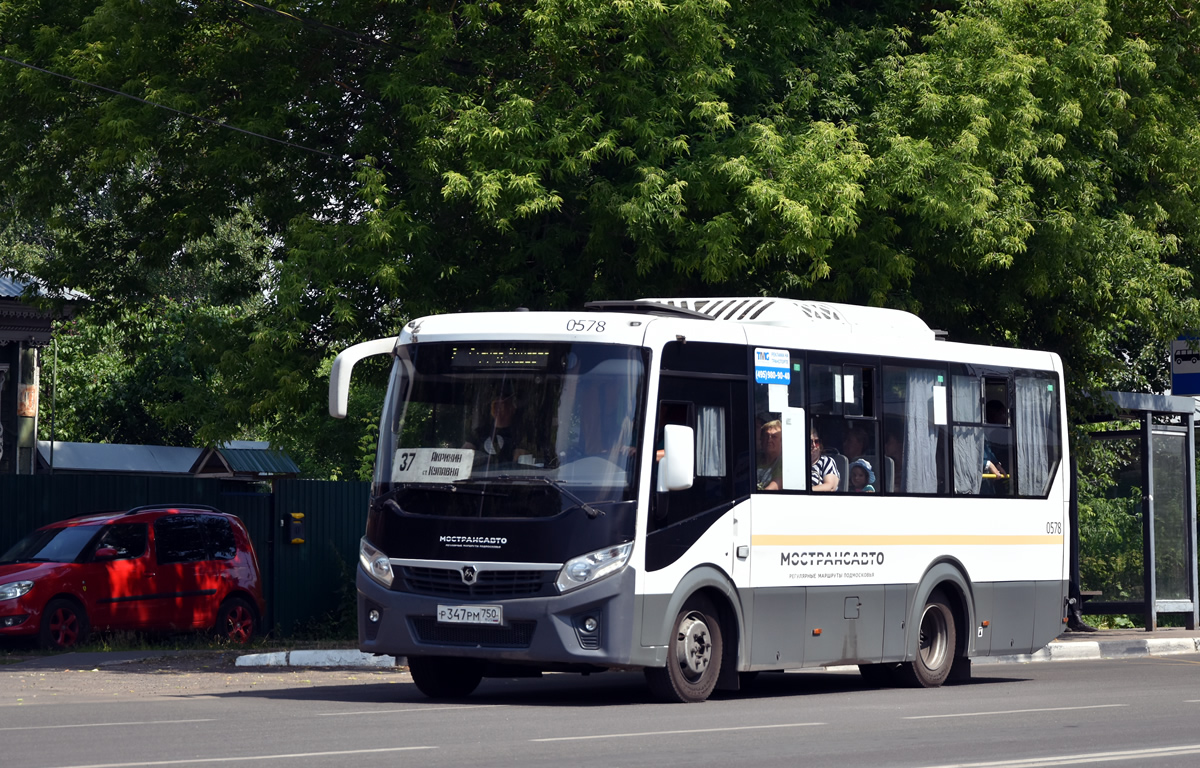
982, 437
914, 410
770, 456
1036, 422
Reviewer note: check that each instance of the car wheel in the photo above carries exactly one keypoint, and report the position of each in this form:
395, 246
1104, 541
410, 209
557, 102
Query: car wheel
64, 625
935, 644
236, 622
693, 656
445, 678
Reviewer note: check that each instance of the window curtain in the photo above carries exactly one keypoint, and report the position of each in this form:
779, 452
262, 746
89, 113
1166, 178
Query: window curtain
920, 433
968, 441
1036, 420
710, 441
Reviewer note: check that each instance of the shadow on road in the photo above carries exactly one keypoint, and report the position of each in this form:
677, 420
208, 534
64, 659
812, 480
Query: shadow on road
597, 690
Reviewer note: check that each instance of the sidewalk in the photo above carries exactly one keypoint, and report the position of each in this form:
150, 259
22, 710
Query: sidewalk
1107, 644
1071, 646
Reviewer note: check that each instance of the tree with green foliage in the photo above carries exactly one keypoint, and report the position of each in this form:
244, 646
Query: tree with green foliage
1018, 172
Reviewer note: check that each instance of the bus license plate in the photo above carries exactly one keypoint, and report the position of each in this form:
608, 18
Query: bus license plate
470, 614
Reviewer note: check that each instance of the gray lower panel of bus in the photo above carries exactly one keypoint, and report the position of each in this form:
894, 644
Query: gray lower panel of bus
825, 626
863, 624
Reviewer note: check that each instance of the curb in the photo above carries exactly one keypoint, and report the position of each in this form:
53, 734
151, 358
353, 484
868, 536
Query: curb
334, 658
1098, 649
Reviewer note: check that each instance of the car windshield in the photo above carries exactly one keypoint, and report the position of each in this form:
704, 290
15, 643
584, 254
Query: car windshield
51, 545
492, 418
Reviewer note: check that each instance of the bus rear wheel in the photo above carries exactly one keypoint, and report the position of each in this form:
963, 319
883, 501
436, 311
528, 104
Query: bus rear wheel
439, 677
935, 644
693, 655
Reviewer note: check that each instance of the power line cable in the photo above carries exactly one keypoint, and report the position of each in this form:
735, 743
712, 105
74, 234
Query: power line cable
217, 123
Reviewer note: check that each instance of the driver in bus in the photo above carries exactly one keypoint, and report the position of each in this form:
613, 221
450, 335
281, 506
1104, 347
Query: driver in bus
497, 441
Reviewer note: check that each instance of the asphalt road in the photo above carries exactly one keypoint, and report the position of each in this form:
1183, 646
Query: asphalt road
1141, 712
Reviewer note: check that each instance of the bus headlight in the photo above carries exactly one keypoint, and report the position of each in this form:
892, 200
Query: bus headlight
375, 563
593, 566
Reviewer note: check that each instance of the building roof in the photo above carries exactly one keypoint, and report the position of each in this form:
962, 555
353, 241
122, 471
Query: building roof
237, 459
13, 287
116, 457
245, 457
27, 324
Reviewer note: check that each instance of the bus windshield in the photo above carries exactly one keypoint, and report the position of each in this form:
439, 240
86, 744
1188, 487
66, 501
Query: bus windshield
487, 428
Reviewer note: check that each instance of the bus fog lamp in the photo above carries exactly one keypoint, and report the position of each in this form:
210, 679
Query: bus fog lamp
593, 566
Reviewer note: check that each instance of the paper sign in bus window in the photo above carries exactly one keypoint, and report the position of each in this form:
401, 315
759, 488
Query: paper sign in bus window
432, 465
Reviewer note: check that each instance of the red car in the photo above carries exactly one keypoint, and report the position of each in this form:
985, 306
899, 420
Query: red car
151, 568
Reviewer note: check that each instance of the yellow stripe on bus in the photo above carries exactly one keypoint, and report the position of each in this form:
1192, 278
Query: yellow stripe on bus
768, 540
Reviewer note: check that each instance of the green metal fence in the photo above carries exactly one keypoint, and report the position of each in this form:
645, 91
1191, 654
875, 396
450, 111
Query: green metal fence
304, 583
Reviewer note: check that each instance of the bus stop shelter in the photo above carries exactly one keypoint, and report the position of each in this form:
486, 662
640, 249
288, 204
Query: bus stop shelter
1160, 445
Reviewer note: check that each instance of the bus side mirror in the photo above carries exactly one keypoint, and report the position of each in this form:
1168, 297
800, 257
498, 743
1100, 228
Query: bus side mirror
676, 470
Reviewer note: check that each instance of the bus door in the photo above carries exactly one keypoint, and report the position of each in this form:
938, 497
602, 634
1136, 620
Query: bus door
682, 522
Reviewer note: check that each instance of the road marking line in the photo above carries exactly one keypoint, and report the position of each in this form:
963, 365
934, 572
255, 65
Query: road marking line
1014, 711
103, 725
673, 733
1094, 757
418, 709
293, 756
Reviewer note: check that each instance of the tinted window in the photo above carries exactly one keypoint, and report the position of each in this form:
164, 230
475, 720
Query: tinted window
128, 539
221, 542
180, 539
704, 357
722, 448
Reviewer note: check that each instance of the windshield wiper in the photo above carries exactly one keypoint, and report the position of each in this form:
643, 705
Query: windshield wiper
446, 487
592, 512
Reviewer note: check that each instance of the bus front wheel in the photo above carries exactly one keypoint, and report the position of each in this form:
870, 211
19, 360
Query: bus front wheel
693, 655
935, 644
445, 678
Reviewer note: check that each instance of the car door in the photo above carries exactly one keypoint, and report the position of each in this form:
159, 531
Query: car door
184, 589
123, 581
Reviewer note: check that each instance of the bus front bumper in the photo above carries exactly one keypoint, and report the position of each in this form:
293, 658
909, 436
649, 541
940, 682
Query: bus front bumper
593, 625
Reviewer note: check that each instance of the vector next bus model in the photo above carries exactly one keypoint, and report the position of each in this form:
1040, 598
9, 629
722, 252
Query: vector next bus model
706, 489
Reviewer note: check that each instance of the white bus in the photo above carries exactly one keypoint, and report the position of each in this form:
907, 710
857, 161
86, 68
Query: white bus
637, 486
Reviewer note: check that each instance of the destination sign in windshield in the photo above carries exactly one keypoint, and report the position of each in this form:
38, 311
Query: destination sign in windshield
491, 357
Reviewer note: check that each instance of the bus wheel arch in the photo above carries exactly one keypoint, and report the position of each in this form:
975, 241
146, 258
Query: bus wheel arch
708, 590
939, 636
695, 654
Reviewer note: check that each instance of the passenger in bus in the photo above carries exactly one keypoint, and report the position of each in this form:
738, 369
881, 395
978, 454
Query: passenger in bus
862, 477
498, 440
995, 412
770, 456
893, 451
824, 474
854, 444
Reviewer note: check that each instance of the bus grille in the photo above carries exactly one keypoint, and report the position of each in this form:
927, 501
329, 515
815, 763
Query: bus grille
518, 634
447, 582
